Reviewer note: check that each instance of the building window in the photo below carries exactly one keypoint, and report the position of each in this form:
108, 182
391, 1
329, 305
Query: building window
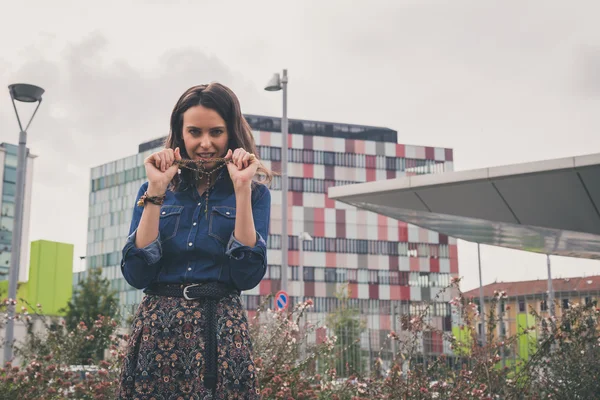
543, 305
521, 305
565, 303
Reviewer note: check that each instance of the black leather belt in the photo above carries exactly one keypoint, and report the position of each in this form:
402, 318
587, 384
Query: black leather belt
212, 292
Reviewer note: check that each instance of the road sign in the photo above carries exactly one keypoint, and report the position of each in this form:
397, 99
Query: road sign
281, 300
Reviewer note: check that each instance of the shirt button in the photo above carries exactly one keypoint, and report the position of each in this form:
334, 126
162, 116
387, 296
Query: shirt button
194, 224
226, 212
189, 269
190, 244
199, 204
163, 213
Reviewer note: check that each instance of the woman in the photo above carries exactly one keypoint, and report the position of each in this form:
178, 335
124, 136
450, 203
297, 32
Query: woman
197, 238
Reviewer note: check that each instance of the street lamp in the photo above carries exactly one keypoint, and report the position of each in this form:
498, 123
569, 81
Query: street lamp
303, 237
278, 83
27, 94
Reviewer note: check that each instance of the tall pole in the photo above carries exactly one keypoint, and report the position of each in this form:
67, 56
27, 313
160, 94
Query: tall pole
301, 261
481, 304
550, 289
28, 94
284, 186
16, 244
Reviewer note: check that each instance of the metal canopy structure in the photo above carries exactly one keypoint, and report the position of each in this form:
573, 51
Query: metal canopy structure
550, 207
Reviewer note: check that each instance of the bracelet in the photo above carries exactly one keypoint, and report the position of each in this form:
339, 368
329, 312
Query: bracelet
157, 200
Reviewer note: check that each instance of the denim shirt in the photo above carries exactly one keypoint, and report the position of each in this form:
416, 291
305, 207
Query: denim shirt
192, 247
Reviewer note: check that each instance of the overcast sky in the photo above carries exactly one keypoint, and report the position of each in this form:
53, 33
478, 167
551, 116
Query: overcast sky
498, 81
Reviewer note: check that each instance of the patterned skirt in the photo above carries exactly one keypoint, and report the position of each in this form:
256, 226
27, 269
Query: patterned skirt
165, 354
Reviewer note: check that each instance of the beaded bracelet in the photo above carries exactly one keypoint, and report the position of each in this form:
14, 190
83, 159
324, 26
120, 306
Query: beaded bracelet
157, 200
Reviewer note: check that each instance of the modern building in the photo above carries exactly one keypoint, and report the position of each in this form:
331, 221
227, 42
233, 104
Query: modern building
8, 178
392, 267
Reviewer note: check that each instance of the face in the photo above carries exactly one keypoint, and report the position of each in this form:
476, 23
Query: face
204, 134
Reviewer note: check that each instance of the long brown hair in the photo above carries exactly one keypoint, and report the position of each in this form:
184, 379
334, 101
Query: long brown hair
220, 98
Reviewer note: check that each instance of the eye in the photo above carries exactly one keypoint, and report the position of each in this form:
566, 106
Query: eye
217, 132
194, 131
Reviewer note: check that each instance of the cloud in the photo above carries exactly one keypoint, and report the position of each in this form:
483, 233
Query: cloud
97, 109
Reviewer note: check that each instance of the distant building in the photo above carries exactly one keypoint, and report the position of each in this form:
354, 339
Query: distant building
8, 179
524, 296
392, 268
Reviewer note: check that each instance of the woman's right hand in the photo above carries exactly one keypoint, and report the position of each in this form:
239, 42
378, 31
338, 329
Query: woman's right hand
160, 170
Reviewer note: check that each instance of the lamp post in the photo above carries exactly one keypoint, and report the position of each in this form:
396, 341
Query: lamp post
27, 94
550, 306
481, 298
280, 83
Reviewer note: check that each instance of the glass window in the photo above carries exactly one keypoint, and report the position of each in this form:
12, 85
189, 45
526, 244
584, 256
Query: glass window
275, 272
9, 189
8, 210
7, 223
330, 275
309, 274
10, 174
352, 275
10, 160
329, 158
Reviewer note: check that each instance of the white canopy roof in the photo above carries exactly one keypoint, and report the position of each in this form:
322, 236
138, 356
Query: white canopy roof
550, 207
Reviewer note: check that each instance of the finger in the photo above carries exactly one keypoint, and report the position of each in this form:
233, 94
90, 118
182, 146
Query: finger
240, 162
229, 154
157, 161
177, 154
163, 162
170, 157
174, 164
246, 160
235, 156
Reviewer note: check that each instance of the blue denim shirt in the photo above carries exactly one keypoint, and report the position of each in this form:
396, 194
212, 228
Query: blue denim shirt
192, 247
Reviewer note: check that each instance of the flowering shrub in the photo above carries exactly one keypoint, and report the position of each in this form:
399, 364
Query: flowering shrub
296, 358
565, 363
51, 368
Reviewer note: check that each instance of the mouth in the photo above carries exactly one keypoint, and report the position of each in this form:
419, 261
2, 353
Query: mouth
205, 156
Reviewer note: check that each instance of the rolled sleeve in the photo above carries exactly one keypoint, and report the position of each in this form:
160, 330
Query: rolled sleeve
237, 250
248, 265
152, 253
140, 266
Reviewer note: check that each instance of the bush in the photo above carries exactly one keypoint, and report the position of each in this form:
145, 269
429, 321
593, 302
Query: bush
564, 362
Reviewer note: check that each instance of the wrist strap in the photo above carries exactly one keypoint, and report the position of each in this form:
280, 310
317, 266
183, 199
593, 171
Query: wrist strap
157, 200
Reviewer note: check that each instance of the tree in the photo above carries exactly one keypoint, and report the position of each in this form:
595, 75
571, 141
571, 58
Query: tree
347, 327
92, 299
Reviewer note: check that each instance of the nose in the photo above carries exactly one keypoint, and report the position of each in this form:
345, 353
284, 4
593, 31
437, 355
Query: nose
205, 142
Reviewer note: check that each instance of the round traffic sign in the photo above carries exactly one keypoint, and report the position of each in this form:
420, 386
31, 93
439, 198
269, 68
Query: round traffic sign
281, 300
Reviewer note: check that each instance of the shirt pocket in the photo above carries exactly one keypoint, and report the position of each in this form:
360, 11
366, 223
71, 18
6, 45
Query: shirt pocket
222, 223
169, 221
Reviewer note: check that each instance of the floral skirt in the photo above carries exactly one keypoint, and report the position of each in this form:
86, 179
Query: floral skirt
165, 354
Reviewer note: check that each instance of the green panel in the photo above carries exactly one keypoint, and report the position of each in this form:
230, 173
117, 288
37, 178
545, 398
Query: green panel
22, 293
527, 342
465, 338
50, 275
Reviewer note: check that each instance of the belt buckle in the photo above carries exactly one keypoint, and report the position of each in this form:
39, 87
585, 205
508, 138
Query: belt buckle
185, 291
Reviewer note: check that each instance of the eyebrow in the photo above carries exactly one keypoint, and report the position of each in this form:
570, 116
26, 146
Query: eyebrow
213, 128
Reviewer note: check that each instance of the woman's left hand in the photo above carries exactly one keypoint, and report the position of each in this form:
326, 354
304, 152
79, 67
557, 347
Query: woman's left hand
242, 168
